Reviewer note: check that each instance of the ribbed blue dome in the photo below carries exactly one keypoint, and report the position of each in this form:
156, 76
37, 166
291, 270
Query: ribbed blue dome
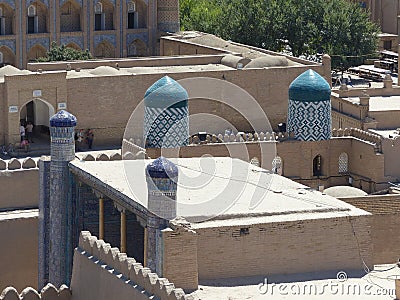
63, 119
309, 87
165, 93
162, 168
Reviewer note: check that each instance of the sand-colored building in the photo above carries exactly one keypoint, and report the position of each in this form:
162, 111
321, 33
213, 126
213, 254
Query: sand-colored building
97, 91
107, 28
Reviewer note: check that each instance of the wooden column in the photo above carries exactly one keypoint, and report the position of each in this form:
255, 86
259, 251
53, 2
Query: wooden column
123, 232
101, 218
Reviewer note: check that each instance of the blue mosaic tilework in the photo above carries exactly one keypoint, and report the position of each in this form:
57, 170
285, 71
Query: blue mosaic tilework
310, 121
45, 2
63, 1
105, 37
10, 2
41, 41
162, 168
8, 43
74, 39
130, 37
63, 119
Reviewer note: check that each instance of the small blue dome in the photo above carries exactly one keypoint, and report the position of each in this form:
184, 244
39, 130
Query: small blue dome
309, 87
162, 168
165, 93
63, 119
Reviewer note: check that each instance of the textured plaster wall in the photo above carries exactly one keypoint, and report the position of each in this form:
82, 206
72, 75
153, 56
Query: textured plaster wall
19, 189
19, 253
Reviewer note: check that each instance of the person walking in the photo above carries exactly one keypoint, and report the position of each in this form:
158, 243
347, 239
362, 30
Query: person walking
29, 132
90, 138
22, 132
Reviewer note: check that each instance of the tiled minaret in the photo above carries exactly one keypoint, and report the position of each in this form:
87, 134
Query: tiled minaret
161, 178
166, 121
309, 114
62, 126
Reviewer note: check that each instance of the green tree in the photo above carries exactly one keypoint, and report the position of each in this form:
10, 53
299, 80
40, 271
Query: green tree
63, 53
339, 28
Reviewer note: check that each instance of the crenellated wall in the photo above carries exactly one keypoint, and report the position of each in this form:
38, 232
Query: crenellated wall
49, 292
101, 272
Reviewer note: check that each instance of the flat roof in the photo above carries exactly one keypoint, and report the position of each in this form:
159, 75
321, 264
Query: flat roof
379, 103
377, 284
111, 71
224, 187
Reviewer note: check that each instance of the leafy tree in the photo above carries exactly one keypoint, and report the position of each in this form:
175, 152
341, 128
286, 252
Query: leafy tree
63, 53
339, 28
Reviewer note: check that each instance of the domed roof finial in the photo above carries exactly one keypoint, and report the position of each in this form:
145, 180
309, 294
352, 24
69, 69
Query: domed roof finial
162, 168
164, 93
309, 87
63, 119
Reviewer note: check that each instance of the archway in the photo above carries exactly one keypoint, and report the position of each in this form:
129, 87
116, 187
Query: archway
137, 48
7, 56
35, 52
37, 18
104, 49
317, 165
70, 17
74, 46
137, 14
6, 19
104, 15
38, 113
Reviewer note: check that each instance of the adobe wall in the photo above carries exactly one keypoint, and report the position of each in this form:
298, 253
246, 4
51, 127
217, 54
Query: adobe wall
19, 189
107, 110
391, 148
170, 46
179, 262
385, 225
309, 245
19, 250
103, 273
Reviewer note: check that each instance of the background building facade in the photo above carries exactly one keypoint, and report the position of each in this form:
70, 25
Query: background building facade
108, 28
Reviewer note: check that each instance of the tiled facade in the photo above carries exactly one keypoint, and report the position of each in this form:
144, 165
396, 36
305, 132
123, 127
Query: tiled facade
108, 28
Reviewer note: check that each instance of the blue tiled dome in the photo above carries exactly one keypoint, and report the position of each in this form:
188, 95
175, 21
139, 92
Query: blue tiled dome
309, 109
309, 87
162, 168
63, 119
165, 93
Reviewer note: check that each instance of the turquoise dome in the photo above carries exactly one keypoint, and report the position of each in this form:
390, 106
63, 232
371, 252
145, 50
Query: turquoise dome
309, 87
165, 93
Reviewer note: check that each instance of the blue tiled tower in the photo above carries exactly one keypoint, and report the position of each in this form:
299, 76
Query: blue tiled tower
62, 126
309, 112
166, 123
162, 178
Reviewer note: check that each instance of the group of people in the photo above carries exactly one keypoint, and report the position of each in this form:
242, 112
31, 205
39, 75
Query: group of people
82, 137
26, 134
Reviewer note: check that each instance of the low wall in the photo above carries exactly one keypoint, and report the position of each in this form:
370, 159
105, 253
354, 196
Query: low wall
19, 249
309, 245
101, 272
19, 188
385, 225
128, 62
49, 292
